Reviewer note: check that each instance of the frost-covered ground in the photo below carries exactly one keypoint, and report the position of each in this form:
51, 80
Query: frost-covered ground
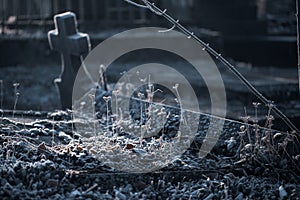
49, 158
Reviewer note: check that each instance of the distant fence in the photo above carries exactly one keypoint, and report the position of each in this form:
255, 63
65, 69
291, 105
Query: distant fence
19, 14
94, 15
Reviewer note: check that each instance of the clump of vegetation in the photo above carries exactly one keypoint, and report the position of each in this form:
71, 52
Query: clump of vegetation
55, 148
266, 149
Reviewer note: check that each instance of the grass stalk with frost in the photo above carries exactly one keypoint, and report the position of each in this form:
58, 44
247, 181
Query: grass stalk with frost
93, 107
269, 123
141, 95
242, 142
17, 94
82, 104
107, 99
175, 87
246, 121
116, 93
256, 104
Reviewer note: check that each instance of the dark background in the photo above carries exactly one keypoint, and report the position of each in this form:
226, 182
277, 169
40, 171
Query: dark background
256, 35
262, 32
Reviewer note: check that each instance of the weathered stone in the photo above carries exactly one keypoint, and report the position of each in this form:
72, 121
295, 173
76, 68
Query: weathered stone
72, 45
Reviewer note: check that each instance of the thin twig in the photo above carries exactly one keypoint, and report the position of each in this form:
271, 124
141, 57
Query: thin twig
91, 188
136, 4
219, 57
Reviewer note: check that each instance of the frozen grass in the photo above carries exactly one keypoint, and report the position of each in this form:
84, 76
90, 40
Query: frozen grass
139, 145
17, 94
258, 171
266, 147
133, 145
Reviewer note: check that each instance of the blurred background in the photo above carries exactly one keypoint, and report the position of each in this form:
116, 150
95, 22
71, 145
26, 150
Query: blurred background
260, 26
258, 36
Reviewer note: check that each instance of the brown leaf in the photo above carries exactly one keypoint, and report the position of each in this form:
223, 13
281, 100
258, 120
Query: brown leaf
129, 146
79, 148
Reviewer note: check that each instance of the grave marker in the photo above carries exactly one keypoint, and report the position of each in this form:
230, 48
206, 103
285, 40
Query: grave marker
72, 45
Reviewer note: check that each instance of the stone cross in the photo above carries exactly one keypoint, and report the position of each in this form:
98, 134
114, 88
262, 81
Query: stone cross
72, 45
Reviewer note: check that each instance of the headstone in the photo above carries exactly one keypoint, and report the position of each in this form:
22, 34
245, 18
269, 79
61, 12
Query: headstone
72, 45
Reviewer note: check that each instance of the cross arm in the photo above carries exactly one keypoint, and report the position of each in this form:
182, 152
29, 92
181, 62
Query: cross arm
76, 44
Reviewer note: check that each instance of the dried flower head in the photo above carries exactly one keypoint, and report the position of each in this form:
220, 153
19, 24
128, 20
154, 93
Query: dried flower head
256, 104
176, 86
107, 98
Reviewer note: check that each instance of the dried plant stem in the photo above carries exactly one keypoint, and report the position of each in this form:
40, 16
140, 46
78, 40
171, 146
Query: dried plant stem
93, 107
141, 95
91, 188
17, 94
179, 101
106, 99
15, 105
116, 93
246, 121
152, 7
269, 140
257, 141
